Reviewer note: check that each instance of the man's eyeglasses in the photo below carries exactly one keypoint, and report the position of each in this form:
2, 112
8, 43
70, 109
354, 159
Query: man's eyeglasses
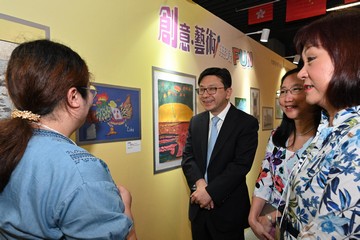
294, 91
92, 89
209, 90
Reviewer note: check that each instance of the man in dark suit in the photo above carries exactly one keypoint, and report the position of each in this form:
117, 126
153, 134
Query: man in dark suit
219, 200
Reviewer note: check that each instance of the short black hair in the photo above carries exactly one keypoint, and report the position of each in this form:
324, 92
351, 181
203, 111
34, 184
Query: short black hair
221, 73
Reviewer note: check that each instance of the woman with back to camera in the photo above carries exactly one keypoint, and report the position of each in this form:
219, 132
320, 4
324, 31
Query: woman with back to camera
323, 201
285, 146
49, 187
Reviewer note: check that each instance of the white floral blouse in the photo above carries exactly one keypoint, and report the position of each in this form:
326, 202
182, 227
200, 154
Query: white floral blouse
275, 170
324, 201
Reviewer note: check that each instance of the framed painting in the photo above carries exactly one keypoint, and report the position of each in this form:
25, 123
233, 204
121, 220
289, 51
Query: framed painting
6, 105
268, 118
21, 30
255, 103
13, 32
240, 103
114, 116
278, 111
173, 106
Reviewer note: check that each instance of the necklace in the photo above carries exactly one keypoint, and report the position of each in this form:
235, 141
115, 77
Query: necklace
302, 134
53, 130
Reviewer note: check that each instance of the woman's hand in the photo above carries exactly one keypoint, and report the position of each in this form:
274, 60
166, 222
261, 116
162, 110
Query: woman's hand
125, 195
262, 228
127, 200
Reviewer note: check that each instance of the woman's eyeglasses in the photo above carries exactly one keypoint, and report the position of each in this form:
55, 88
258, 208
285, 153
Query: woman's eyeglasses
294, 91
92, 89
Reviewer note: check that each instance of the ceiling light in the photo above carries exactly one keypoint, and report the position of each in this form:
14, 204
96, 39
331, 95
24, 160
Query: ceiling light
343, 6
264, 34
296, 59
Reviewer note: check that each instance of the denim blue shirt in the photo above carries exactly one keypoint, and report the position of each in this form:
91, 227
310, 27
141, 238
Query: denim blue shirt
61, 191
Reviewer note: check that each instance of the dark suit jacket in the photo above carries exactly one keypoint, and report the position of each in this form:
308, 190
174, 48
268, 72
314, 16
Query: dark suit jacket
231, 160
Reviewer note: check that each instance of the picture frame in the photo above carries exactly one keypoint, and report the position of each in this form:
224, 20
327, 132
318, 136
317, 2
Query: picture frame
115, 115
174, 104
17, 30
6, 105
255, 103
26, 30
267, 118
240, 103
278, 111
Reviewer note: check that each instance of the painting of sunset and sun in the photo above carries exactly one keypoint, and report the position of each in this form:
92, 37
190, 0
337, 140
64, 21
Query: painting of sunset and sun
175, 107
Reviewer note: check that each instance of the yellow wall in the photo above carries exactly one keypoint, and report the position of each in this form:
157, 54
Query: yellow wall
119, 41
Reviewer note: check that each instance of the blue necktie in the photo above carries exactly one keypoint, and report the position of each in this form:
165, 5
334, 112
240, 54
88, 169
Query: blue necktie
212, 140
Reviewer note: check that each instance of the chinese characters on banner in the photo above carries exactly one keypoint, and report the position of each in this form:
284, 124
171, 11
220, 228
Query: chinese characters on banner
203, 41
178, 35
169, 27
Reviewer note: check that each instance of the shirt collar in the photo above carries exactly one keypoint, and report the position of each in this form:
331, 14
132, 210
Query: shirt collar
223, 113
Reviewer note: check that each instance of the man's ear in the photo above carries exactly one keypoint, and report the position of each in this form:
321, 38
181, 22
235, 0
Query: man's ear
74, 98
228, 93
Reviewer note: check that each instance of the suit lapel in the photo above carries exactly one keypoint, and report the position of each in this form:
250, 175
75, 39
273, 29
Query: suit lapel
204, 133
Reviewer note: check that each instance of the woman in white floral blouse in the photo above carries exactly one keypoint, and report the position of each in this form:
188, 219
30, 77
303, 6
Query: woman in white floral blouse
285, 146
324, 196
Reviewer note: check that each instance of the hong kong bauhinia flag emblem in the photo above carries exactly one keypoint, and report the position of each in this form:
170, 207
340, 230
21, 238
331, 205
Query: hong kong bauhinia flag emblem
260, 14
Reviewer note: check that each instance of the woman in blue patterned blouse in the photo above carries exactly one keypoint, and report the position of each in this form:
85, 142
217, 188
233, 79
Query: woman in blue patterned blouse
324, 196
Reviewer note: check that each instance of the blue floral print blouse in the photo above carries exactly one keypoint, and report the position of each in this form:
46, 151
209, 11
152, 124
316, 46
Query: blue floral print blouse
324, 200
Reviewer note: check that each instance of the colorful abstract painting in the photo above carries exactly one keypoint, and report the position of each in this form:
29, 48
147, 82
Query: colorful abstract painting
114, 116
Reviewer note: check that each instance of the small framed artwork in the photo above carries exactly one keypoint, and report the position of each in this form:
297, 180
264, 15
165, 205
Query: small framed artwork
255, 103
173, 107
278, 111
114, 116
6, 105
268, 118
240, 103
16, 31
